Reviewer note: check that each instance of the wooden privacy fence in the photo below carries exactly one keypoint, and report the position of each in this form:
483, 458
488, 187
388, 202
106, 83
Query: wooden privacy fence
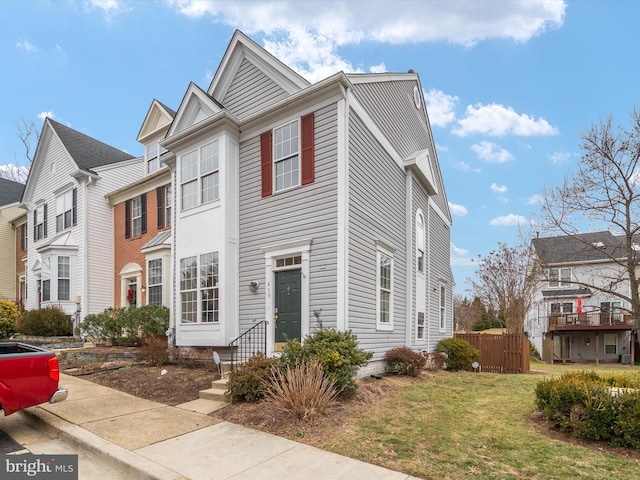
506, 353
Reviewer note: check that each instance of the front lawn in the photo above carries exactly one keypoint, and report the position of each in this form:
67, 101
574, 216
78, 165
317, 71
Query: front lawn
467, 425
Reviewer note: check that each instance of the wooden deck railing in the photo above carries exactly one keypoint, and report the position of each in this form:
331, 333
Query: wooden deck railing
594, 320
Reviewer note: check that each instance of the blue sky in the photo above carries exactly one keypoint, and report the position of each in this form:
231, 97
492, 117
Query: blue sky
509, 85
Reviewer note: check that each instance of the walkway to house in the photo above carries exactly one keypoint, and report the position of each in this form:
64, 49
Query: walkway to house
150, 440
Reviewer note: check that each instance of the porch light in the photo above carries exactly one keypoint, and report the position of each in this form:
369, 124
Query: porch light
253, 287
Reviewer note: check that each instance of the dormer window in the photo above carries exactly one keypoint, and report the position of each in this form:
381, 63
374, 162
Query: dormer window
559, 277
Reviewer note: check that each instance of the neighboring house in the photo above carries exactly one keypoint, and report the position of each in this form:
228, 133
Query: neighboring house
10, 195
70, 241
21, 234
577, 322
143, 213
307, 205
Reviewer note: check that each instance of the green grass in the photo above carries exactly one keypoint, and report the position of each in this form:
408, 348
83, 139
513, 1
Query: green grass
465, 425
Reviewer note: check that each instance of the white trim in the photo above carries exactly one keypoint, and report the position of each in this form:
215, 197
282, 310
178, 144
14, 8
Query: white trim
440, 213
442, 316
409, 277
271, 253
342, 306
420, 277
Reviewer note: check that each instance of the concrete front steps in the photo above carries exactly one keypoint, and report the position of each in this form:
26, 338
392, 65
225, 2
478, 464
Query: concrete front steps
210, 400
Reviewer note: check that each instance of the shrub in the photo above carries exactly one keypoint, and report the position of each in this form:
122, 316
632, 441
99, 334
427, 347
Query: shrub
604, 408
435, 360
460, 354
8, 318
337, 352
302, 389
155, 351
248, 381
404, 361
126, 325
45, 322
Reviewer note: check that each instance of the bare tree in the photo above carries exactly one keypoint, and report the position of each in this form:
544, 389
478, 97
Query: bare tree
18, 170
505, 282
604, 194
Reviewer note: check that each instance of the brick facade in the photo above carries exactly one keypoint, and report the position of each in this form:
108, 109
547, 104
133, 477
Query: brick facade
127, 250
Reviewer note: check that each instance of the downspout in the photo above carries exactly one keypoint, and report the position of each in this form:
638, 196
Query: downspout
428, 276
84, 301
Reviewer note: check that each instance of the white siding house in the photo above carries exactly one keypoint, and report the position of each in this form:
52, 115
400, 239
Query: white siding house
570, 311
70, 242
302, 204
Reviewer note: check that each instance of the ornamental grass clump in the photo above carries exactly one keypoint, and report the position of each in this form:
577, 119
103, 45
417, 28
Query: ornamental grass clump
302, 389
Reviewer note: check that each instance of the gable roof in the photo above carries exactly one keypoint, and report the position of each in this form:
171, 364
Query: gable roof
196, 105
579, 248
86, 151
158, 118
242, 47
10, 191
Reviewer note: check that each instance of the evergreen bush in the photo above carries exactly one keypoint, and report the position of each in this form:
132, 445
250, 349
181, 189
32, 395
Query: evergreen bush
249, 380
44, 322
8, 318
460, 353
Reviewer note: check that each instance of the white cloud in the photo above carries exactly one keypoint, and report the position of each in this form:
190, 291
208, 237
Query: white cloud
495, 188
440, 107
465, 167
459, 210
491, 152
381, 68
45, 114
497, 120
534, 199
338, 23
460, 257
511, 220
27, 47
110, 8
560, 158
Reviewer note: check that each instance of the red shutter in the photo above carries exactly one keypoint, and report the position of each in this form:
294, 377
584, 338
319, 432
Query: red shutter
266, 167
308, 161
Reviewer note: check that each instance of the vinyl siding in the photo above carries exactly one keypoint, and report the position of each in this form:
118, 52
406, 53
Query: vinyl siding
251, 90
100, 250
307, 212
439, 274
376, 213
388, 101
8, 252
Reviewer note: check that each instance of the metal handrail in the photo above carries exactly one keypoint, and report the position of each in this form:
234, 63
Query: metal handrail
250, 343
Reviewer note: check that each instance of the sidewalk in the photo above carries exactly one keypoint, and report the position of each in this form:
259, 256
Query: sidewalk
149, 440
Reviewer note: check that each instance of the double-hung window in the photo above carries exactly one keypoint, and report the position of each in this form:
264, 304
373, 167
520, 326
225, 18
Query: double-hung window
199, 289
559, 277
23, 237
66, 215
420, 244
164, 201
154, 282
40, 222
443, 308
285, 157
384, 284
63, 278
153, 162
135, 216
199, 176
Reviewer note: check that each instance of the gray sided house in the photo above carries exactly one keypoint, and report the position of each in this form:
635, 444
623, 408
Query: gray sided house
70, 225
570, 318
307, 205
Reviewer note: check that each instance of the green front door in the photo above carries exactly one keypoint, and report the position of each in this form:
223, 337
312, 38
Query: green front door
287, 308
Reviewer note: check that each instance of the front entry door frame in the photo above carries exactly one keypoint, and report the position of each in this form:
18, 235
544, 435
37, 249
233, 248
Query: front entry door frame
287, 312
272, 254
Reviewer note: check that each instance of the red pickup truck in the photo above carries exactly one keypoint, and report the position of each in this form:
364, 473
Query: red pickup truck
29, 376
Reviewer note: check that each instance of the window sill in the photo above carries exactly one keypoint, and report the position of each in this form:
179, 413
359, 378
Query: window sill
384, 327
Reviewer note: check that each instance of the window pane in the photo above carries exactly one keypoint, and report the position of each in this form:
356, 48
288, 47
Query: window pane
209, 158
385, 272
385, 298
209, 270
188, 273
189, 195
287, 173
189, 306
189, 167
168, 202
210, 305
210, 190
